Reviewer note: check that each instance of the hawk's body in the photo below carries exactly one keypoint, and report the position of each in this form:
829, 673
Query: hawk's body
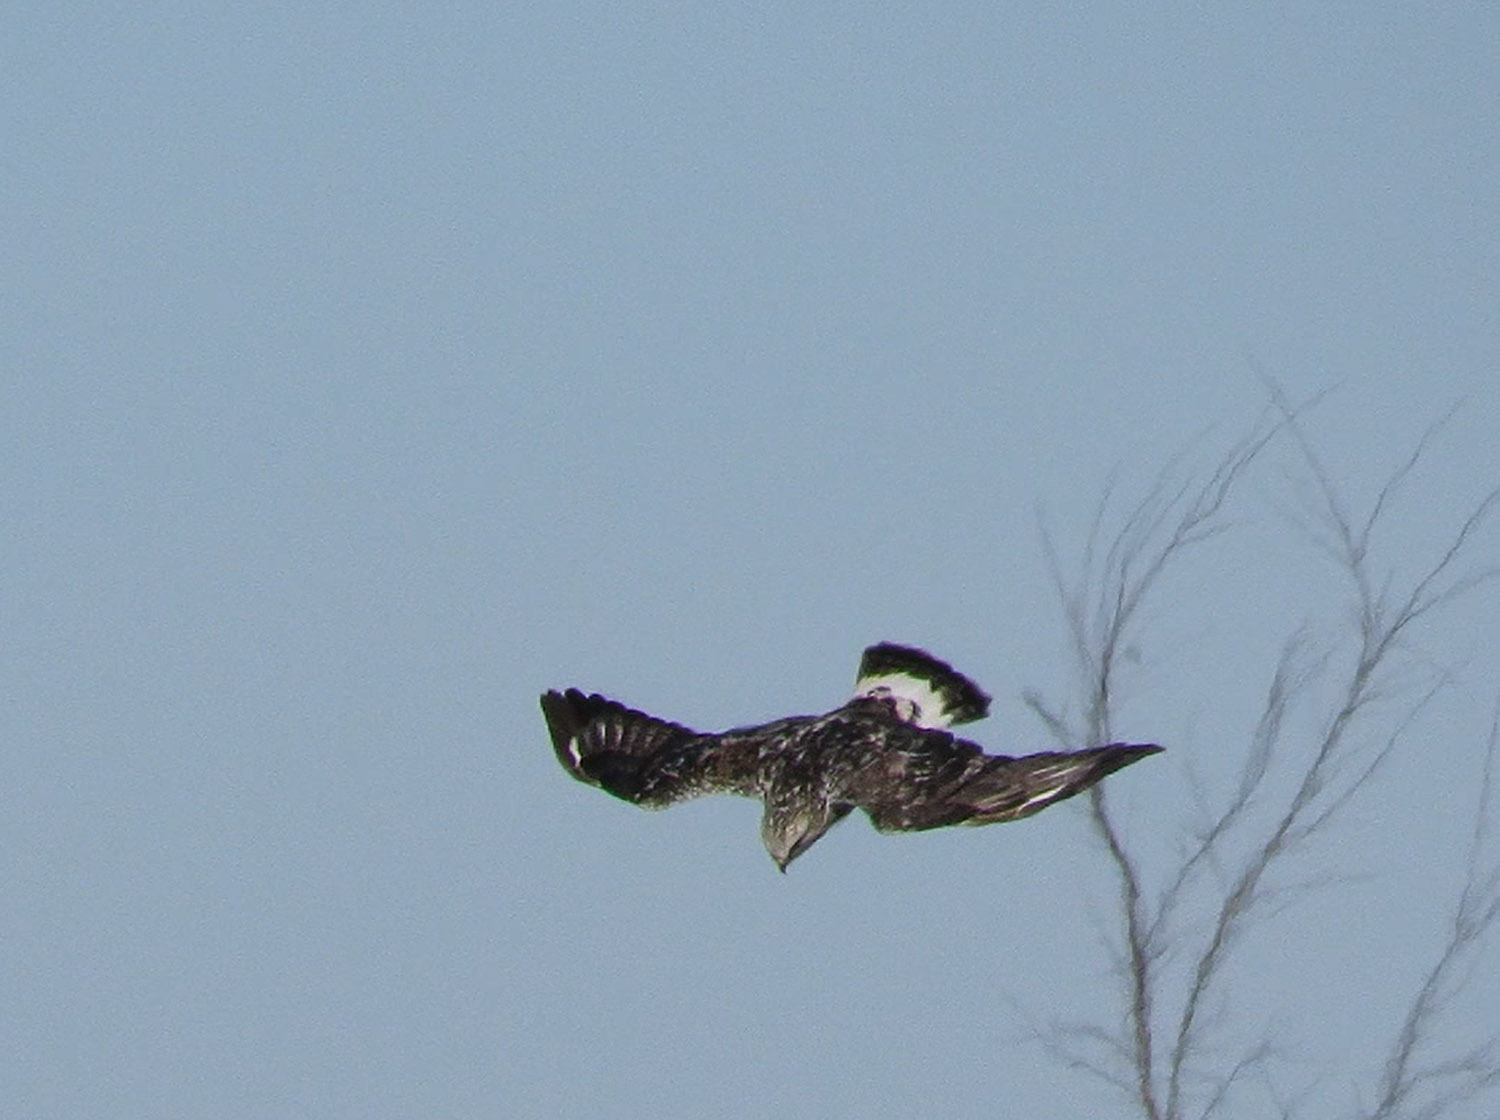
885, 751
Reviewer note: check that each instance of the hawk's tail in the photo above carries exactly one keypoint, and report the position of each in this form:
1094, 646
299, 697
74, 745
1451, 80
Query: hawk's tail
1011, 788
622, 751
930, 693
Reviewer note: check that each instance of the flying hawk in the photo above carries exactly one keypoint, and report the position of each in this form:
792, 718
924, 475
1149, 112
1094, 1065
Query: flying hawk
886, 751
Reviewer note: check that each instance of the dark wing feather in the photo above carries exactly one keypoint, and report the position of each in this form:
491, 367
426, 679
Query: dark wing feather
909, 777
929, 779
636, 757
1011, 788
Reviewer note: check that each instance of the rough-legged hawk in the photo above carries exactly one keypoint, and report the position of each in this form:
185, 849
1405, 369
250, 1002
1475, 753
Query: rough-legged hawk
885, 751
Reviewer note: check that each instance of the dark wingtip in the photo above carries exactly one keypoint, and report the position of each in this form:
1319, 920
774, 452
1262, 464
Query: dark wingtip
566, 714
1117, 756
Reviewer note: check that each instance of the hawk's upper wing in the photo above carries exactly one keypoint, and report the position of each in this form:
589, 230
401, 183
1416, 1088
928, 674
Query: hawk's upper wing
925, 691
634, 756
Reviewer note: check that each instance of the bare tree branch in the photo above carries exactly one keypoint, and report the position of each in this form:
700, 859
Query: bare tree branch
1473, 917
1174, 516
1234, 850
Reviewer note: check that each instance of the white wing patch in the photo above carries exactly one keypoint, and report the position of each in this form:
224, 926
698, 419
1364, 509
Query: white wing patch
915, 699
1043, 797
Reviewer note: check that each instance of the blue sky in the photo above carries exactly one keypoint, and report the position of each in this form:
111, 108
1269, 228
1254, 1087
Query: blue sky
370, 369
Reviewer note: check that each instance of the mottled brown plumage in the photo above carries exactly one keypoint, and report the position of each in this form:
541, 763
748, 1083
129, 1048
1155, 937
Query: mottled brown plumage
885, 751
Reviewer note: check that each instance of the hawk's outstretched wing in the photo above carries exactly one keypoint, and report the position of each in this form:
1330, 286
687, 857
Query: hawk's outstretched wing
634, 756
936, 780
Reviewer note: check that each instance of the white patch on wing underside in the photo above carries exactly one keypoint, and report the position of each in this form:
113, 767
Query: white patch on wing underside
1045, 795
916, 700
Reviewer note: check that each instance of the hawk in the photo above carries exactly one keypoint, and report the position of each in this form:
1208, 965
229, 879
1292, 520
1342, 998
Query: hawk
887, 751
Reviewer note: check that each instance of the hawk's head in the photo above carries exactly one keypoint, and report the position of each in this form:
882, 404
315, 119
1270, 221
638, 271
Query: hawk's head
791, 826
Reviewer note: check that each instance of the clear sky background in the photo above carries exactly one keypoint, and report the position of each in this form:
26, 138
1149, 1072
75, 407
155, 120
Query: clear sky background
370, 368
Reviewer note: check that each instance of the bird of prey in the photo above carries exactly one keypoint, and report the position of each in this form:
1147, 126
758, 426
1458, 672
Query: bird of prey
886, 751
